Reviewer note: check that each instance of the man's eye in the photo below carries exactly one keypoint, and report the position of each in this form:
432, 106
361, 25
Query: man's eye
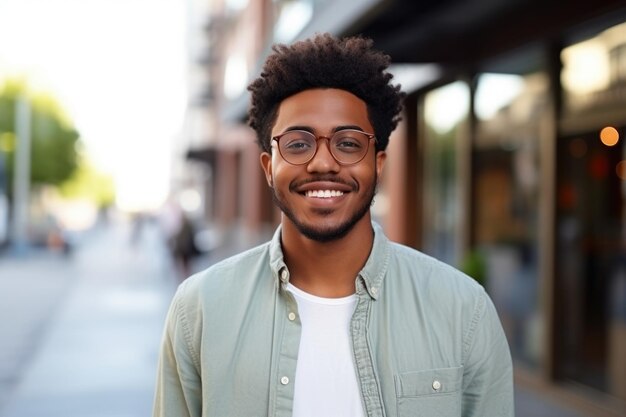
348, 145
297, 146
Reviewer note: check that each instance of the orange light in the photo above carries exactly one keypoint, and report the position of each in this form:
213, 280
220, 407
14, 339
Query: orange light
620, 169
609, 136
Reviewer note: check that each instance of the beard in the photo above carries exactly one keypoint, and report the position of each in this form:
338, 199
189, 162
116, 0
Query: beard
329, 233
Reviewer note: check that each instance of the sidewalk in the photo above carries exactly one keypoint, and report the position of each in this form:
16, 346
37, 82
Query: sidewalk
30, 294
98, 331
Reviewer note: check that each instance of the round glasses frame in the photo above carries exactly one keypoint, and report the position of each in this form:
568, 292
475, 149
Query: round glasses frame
330, 148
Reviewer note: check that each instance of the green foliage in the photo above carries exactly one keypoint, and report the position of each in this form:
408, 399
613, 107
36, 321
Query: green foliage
87, 182
53, 138
473, 264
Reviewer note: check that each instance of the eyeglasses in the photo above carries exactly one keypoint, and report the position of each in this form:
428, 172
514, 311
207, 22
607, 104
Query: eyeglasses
347, 146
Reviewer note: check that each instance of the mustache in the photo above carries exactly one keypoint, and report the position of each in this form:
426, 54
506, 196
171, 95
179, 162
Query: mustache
294, 185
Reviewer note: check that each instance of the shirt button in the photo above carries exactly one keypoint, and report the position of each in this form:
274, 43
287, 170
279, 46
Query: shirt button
292, 316
374, 290
284, 275
436, 385
284, 380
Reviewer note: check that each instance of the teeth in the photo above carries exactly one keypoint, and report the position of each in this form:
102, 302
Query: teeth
324, 193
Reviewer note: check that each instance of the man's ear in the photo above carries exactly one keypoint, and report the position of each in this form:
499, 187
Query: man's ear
381, 157
266, 164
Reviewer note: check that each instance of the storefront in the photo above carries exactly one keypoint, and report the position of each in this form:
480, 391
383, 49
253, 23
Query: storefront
591, 214
523, 185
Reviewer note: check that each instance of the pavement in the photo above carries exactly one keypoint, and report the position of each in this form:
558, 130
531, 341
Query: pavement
80, 334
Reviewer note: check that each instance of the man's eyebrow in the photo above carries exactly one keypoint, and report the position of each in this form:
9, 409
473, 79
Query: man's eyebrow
344, 127
305, 128
335, 129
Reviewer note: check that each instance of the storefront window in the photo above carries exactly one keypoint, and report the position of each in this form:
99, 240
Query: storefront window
506, 180
445, 116
591, 210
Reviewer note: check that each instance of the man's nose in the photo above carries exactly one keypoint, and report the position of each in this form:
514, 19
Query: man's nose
323, 160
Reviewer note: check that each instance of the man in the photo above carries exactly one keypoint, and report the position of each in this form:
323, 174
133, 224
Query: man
330, 318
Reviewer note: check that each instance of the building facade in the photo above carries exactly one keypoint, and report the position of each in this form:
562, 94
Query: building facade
509, 163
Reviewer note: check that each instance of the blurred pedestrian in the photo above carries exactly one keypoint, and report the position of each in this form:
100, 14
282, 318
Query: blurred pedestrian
184, 246
179, 233
330, 318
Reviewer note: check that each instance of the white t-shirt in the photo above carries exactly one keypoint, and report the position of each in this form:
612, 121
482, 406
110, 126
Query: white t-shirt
326, 381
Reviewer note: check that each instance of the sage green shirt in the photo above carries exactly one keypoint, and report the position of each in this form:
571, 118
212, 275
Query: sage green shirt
426, 339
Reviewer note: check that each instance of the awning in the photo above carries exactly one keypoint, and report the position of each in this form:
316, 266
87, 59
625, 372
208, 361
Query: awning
206, 155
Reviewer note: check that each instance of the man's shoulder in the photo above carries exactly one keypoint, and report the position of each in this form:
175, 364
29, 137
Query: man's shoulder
236, 270
240, 260
430, 274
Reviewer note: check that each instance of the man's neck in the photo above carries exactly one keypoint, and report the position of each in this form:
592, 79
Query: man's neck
327, 269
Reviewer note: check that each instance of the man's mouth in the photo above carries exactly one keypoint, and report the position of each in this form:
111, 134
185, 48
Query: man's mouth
323, 193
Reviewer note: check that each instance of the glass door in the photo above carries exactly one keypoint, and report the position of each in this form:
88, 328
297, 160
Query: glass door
591, 260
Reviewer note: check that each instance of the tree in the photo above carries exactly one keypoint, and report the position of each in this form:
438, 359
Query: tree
87, 182
53, 138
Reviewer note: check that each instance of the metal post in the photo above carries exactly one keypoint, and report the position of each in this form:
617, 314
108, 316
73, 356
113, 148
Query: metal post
21, 177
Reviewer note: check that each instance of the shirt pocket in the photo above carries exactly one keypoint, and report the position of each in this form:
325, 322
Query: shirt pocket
429, 393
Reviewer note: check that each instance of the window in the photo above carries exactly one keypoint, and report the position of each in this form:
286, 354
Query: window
446, 111
506, 181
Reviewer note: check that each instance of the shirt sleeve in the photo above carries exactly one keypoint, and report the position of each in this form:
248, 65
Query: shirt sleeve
178, 386
488, 371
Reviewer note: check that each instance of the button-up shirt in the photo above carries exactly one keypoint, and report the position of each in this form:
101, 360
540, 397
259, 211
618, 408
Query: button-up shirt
426, 340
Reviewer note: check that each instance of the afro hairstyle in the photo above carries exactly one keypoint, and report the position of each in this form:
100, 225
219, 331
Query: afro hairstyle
349, 64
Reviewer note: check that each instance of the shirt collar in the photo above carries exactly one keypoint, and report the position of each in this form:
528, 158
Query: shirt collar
277, 261
372, 273
375, 268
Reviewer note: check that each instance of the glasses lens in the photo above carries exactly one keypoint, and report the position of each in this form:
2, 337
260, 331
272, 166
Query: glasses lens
297, 147
349, 146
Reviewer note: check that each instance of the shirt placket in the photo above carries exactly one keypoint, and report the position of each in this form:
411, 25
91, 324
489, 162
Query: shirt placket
363, 356
287, 340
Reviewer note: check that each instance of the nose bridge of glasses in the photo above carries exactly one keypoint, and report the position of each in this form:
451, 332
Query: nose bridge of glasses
318, 146
319, 138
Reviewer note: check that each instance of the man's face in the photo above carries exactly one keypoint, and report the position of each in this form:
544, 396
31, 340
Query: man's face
302, 191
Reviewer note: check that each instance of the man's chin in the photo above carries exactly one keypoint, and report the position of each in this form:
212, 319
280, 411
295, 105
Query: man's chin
325, 234
325, 212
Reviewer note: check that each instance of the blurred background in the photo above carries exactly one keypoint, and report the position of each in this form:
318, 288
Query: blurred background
126, 164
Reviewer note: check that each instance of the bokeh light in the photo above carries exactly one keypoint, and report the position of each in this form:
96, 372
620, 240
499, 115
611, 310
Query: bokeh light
609, 136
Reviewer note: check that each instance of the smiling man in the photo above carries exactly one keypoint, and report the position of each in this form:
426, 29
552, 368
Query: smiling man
330, 318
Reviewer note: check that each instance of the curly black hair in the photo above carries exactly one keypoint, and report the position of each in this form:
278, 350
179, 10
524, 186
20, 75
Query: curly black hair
324, 61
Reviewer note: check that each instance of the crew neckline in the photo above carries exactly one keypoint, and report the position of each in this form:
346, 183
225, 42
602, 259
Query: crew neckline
320, 300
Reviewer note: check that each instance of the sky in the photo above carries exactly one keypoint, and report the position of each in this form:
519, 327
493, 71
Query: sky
118, 69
